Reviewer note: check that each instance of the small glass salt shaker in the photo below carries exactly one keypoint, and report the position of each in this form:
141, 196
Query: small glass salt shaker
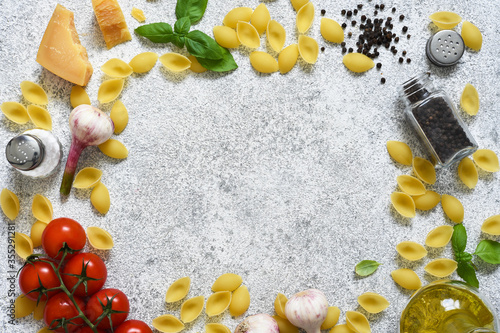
36, 153
437, 122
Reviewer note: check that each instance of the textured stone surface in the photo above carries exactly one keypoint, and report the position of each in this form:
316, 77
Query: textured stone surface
283, 179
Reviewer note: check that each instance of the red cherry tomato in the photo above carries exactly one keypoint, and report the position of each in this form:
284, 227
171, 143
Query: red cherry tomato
63, 230
133, 326
93, 266
119, 302
32, 274
60, 306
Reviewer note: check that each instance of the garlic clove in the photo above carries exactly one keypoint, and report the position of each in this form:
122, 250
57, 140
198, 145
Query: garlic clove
307, 309
259, 323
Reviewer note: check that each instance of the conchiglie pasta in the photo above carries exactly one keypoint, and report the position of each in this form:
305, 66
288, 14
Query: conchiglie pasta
9, 203
467, 172
332, 317
263, 62
453, 208
441, 267
114, 148
284, 325
41, 208
276, 35
486, 159
472, 36
305, 17
216, 328
23, 306
217, 303
427, 201
279, 305
87, 177
331, 30
40, 117
440, 236
191, 309
168, 324
178, 290
424, 170
143, 62
175, 62
260, 18
411, 251
34, 93
226, 37
119, 115
340, 329
445, 20
308, 49
39, 309
288, 58
373, 302
118, 68
406, 278
237, 14
36, 233
78, 96
100, 238
357, 321
227, 282
403, 204
195, 65
100, 198
109, 90
297, 4
469, 100
23, 245
410, 185
247, 35
357, 62
491, 225
15, 112
240, 301
400, 152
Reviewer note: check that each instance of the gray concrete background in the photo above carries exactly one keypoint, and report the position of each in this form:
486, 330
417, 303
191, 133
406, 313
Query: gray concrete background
283, 179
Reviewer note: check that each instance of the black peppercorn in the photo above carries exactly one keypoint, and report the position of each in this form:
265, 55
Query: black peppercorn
350, 50
401, 17
408, 36
353, 23
405, 28
363, 18
349, 34
344, 50
393, 9
377, 6
396, 39
349, 13
342, 12
404, 53
344, 25
323, 12
322, 49
342, 44
382, 80
360, 6
379, 65
408, 60
355, 11
375, 13
401, 60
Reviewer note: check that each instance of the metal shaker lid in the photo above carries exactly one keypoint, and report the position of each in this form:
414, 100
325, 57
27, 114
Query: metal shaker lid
445, 48
25, 152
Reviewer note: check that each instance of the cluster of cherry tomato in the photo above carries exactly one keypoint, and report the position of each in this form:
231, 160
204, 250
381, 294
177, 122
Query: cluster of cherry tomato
71, 284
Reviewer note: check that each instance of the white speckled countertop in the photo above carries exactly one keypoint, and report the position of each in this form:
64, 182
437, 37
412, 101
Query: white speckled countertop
283, 179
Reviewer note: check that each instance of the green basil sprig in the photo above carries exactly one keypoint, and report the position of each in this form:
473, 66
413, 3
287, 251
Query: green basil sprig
194, 9
366, 267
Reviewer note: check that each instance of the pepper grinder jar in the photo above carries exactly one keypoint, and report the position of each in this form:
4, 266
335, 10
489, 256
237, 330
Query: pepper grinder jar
35, 153
437, 122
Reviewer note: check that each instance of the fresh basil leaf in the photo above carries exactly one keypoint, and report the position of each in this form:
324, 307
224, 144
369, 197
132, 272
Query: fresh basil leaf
194, 9
459, 239
201, 45
178, 40
182, 26
467, 272
225, 64
464, 256
156, 32
489, 251
366, 267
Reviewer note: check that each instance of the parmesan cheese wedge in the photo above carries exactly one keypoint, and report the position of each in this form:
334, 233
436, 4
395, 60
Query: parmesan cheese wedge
111, 21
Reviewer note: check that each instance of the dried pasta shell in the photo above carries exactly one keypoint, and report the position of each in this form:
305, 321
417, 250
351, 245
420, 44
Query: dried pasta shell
216, 328
467, 172
472, 36
247, 34
226, 37
357, 62
308, 49
276, 35
410, 185
138, 14
217, 303
288, 58
23, 306
237, 14
143, 62
403, 203
39, 309
279, 305
227, 282
305, 17
453, 208
191, 309
332, 317
331, 30
297, 4
373, 302
424, 170
23, 245
34, 93
114, 148
119, 115
440, 236
357, 321
15, 112
40, 117
100, 238
445, 20
486, 159
441, 267
195, 65
263, 62
427, 201
168, 324
45, 330
469, 101
178, 290
260, 18
9, 203
400, 152
78, 96
491, 225
406, 278
284, 325
110, 90
118, 68
175, 62
87, 177
342, 329
36, 233
42, 208
411, 251
240, 301
100, 198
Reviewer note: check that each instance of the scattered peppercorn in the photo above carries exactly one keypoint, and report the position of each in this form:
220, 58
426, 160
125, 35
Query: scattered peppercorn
353, 23
375, 13
342, 12
363, 18
404, 53
350, 50
379, 65
382, 80
323, 12
393, 9
344, 50
344, 25
401, 60
349, 14
349, 34
342, 44
322, 49
396, 40
401, 17
377, 6
405, 28
360, 6
408, 36
408, 60
382, 6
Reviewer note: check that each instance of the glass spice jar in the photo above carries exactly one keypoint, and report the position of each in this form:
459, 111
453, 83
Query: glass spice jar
437, 122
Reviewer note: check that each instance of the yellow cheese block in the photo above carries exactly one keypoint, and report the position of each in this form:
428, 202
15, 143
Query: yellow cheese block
60, 50
111, 21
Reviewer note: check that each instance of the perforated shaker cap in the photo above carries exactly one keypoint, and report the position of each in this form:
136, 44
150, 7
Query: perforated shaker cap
25, 152
445, 48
